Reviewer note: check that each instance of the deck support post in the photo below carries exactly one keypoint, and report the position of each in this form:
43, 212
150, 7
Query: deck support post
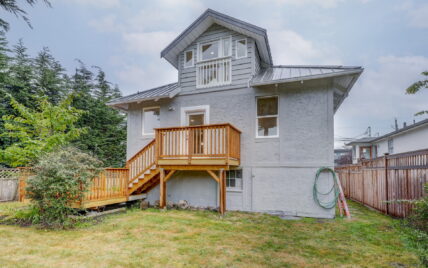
162, 188
222, 192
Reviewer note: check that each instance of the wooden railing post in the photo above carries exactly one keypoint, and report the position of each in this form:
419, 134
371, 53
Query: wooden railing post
227, 144
386, 183
190, 144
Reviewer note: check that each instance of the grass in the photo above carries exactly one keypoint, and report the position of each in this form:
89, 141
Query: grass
156, 238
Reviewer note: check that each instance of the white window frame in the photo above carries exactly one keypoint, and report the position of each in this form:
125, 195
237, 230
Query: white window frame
143, 120
236, 48
193, 59
267, 116
194, 109
220, 49
235, 189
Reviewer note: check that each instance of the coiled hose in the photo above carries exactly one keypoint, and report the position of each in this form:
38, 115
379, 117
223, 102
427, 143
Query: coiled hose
334, 189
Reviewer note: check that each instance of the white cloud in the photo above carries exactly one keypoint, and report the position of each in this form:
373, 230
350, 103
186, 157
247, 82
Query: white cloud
97, 3
148, 43
321, 3
138, 77
288, 47
416, 14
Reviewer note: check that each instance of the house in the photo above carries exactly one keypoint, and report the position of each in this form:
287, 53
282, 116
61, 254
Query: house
406, 139
235, 131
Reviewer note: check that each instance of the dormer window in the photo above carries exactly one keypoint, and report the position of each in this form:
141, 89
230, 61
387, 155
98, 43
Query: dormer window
215, 49
241, 48
188, 59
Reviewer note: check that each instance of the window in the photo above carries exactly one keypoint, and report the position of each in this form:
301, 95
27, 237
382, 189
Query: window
209, 51
234, 179
188, 59
390, 146
241, 48
151, 120
267, 117
227, 46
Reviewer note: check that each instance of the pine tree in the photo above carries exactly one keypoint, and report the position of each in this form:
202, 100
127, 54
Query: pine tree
49, 76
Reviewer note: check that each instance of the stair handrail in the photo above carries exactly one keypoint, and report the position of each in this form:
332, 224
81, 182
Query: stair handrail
142, 161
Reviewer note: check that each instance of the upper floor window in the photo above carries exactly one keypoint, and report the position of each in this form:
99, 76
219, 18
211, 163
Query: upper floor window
390, 146
151, 120
267, 117
215, 49
188, 59
241, 48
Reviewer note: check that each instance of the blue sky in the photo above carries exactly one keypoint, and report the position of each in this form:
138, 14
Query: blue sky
389, 38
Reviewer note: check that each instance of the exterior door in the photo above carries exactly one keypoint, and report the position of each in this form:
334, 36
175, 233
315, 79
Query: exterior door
196, 118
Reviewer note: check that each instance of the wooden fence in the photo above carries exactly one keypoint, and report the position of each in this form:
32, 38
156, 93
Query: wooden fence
9, 178
383, 183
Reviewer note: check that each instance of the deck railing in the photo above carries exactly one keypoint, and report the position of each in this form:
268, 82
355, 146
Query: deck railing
110, 183
206, 141
213, 73
141, 161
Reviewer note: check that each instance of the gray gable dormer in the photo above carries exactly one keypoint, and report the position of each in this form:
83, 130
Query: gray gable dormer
218, 51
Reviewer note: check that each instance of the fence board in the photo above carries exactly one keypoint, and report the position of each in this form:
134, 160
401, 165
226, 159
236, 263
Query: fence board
382, 182
9, 179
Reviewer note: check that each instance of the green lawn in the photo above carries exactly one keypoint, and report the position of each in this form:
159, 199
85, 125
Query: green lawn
155, 238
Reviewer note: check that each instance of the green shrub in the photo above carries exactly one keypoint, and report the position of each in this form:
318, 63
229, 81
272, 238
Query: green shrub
61, 178
415, 228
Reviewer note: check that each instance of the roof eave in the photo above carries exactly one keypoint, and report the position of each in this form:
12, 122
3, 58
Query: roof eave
305, 78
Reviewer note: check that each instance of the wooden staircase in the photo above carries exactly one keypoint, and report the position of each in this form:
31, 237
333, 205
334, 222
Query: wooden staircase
143, 171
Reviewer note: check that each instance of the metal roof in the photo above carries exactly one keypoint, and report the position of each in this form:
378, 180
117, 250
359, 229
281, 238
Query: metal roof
362, 140
404, 129
166, 91
204, 21
290, 73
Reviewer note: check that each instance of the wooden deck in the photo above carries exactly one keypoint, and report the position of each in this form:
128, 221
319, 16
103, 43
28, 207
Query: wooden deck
213, 148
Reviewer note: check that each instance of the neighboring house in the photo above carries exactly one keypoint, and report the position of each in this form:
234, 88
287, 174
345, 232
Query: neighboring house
232, 114
342, 157
409, 138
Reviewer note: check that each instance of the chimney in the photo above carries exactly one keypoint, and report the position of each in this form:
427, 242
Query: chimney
396, 124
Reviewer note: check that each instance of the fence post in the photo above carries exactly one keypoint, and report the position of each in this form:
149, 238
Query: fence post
386, 183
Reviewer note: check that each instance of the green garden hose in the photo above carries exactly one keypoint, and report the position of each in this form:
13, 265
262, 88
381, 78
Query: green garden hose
334, 189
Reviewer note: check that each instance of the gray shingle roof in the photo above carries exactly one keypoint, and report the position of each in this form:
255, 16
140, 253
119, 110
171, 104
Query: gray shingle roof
290, 73
409, 127
169, 90
362, 140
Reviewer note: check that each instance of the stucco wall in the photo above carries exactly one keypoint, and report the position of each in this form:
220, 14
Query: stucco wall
278, 173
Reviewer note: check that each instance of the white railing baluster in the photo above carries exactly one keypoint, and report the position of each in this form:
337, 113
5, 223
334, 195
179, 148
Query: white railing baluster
213, 73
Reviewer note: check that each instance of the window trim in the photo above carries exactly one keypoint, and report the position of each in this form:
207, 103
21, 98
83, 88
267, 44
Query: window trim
186, 110
236, 48
193, 59
220, 49
267, 116
235, 189
143, 120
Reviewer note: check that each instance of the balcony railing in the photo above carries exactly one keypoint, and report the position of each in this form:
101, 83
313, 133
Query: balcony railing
215, 144
214, 73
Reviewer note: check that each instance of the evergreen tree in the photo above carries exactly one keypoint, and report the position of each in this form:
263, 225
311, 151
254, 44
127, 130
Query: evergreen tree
4, 84
106, 134
12, 7
49, 76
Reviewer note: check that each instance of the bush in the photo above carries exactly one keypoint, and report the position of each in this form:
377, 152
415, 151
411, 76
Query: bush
61, 178
415, 228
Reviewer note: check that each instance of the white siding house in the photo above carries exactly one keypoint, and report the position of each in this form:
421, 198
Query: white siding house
409, 138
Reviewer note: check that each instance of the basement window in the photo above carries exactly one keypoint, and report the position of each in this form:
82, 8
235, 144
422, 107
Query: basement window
151, 120
234, 179
267, 117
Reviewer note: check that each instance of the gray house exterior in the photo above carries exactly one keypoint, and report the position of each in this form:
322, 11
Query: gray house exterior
284, 112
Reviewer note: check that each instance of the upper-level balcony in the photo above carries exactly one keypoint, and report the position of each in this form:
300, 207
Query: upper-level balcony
213, 73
